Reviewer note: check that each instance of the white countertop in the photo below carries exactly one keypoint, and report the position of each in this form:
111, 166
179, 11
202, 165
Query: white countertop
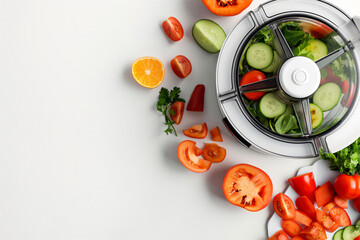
82, 152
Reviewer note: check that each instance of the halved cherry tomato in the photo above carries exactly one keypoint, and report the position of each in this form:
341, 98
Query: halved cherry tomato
291, 227
347, 187
324, 194
173, 29
196, 131
356, 203
178, 108
341, 202
304, 185
251, 77
305, 205
317, 30
314, 232
216, 135
226, 7
181, 66
326, 220
284, 206
187, 154
248, 187
298, 238
214, 153
196, 102
340, 216
302, 218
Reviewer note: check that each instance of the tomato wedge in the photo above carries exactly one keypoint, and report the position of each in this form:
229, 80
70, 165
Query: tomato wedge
173, 29
298, 238
251, 77
181, 66
196, 101
340, 216
196, 131
327, 207
347, 187
324, 194
248, 187
279, 235
176, 111
216, 135
290, 227
302, 218
187, 154
284, 206
226, 7
304, 185
305, 205
214, 153
314, 232
326, 220
341, 202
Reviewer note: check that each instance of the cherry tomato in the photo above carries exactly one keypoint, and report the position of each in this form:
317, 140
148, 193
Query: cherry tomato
298, 238
357, 238
284, 206
317, 30
347, 187
326, 220
341, 202
187, 154
181, 66
356, 203
324, 194
214, 153
173, 29
290, 227
226, 7
314, 232
304, 185
178, 108
251, 77
216, 135
302, 218
196, 102
305, 205
248, 187
340, 216
196, 131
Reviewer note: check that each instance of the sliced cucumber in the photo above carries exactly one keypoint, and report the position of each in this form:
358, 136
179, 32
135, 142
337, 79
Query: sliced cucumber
327, 96
350, 233
259, 55
338, 235
209, 35
317, 48
270, 106
317, 115
289, 110
274, 64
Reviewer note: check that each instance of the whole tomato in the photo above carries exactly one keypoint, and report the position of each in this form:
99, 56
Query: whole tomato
347, 187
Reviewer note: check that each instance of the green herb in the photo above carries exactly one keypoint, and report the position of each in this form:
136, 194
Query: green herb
165, 100
285, 123
264, 35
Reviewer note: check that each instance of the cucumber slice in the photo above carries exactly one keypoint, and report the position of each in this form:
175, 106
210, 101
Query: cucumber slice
317, 48
317, 115
327, 96
274, 64
338, 235
270, 106
209, 35
289, 110
350, 233
259, 55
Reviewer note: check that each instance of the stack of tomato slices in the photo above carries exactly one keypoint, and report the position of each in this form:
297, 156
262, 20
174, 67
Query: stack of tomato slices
302, 219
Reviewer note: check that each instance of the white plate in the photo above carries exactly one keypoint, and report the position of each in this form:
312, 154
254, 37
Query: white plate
322, 174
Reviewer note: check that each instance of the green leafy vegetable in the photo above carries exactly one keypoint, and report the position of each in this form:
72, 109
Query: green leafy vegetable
285, 123
264, 35
165, 100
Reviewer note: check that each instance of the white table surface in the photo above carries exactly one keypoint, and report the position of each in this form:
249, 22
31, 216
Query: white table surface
82, 152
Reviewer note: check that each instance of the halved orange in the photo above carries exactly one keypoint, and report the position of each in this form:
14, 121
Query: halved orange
149, 72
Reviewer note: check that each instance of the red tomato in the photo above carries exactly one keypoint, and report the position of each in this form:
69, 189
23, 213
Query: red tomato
326, 220
302, 218
291, 227
345, 86
327, 207
305, 205
317, 30
178, 108
196, 102
187, 154
340, 216
251, 77
181, 66
341, 202
248, 187
214, 153
284, 206
314, 232
197, 131
226, 7
324, 194
298, 238
199, 152
173, 29
216, 135
304, 185
356, 202
357, 238
347, 187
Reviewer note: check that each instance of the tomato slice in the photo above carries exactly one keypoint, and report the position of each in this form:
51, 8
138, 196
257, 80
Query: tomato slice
173, 29
326, 220
304, 204
181, 66
251, 77
317, 30
248, 187
314, 232
196, 131
327, 207
187, 154
356, 203
302, 218
214, 153
176, 111
216, 135
196, 101
347, 187
279, 235
290, 227
304, 185
340, 216
284, 206
341, 202
226, 7
345, 86
324, 194
298, 238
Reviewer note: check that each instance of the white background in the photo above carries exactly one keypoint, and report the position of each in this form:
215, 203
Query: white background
82, 149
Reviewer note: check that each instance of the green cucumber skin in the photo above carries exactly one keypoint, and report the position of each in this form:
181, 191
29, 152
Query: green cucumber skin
350, 233
274, 64
338, 235
201, 44
319, 101
268, 55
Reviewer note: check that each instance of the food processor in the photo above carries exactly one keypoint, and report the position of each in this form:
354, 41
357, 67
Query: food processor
310, 90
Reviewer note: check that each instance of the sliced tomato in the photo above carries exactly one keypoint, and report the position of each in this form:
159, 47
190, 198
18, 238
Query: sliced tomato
216, 135
314, 232
214, 153
341, 202
196, 131
326, 220
302, 218
356, 203
347, 187
251, 77
345, 86
284, 206
181, 66
317, 30
304, 204
187, 154
196, 101
173, 29
304, 185
290, 227
176, 111
248, 187
226, 7
340, 216
199, 152
298, 238
327, 207
324, 194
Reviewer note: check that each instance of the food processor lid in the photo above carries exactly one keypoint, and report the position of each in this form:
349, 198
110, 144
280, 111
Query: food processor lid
346, 130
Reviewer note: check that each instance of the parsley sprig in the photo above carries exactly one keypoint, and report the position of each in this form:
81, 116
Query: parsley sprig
165, 100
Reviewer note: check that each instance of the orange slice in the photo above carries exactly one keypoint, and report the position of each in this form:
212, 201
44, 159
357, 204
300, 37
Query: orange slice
149, 72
